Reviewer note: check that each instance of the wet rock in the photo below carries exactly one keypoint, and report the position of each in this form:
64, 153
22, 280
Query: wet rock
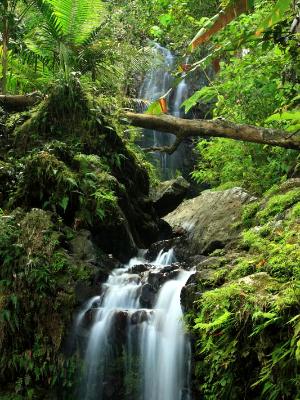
188, 295
156, 247
155, 279
120, 320
138, 269
211, 220
116, 236
173, 274
89, 318
84, 290
82, 246
147, 296
140, 316
209, 262
167, 195
172, 267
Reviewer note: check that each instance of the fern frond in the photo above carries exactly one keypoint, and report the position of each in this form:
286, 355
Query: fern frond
51, 23
78, 18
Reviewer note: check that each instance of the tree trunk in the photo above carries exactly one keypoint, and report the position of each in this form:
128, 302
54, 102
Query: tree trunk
183, 128
18, 102
5, 42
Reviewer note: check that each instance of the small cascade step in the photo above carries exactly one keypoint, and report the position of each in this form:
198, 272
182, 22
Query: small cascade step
138, 318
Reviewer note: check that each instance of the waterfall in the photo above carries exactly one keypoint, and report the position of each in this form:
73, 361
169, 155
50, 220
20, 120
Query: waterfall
164, 347
156, 83
136, 346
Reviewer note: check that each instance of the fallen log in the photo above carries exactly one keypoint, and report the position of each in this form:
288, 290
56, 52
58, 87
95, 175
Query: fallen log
183, 128
19, 102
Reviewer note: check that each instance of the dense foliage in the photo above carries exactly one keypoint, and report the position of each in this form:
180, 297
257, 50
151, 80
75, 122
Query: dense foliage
71, 164
258, 78
247, 328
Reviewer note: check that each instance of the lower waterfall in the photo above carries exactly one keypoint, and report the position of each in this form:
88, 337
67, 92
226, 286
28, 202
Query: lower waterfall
136, 347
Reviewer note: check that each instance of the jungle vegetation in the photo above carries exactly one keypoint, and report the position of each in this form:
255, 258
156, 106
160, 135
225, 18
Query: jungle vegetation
72, 160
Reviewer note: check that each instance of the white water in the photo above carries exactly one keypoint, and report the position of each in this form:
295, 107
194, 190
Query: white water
164, 346
156, 83
156, 337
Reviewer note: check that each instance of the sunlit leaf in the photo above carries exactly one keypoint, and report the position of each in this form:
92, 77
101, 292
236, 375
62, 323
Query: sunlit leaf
165, 19
206, 94
276, 15
154, 108
219, 21
285, 116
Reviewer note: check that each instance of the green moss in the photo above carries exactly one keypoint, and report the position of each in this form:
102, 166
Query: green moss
247, 340
98, 199
46, 182
249, 213
247, 329
278, 204
295, 212
37, 298
7, 177
245, 266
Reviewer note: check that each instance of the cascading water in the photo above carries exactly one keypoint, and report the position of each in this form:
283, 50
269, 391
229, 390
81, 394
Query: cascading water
164, 346
156, 83
136, 342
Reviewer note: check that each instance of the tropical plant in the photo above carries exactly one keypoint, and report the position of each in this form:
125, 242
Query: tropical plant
66, 28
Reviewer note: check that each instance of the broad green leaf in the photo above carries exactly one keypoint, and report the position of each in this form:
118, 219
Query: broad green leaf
165, 19
78, 18
154, 108
285, 116
277, 14
293, 128
205, 94
64, 203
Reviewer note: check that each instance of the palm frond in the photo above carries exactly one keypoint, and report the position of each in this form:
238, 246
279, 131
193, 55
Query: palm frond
51, 23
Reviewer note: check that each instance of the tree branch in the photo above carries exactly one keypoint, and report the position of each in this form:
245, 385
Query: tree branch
183, 128
19, 102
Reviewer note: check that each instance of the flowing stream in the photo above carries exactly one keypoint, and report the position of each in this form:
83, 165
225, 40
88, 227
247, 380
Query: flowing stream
156, 83
135, 344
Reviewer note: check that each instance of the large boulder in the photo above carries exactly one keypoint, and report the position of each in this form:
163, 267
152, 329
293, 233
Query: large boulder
167, 195
211, 220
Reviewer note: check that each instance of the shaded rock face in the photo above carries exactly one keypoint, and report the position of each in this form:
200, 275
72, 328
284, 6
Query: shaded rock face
83, 247
83, 250
136, 207
211, 220
168, 195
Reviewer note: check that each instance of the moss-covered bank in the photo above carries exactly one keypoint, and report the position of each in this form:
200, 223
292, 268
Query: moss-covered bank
244, 306
69, 180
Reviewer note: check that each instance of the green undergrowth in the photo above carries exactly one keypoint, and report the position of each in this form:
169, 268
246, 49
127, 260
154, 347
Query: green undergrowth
80, 189
248, 340
225, 163
37, 282
246, 324
69, 168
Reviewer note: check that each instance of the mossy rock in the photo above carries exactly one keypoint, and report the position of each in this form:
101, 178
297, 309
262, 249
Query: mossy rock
38, 301
7, 176
246, 339
275, 202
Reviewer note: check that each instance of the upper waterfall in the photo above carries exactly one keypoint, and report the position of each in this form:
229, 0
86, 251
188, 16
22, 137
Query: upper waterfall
156, 83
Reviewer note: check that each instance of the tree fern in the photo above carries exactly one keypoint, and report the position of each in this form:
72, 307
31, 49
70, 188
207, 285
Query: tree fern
63, 27
77, 18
